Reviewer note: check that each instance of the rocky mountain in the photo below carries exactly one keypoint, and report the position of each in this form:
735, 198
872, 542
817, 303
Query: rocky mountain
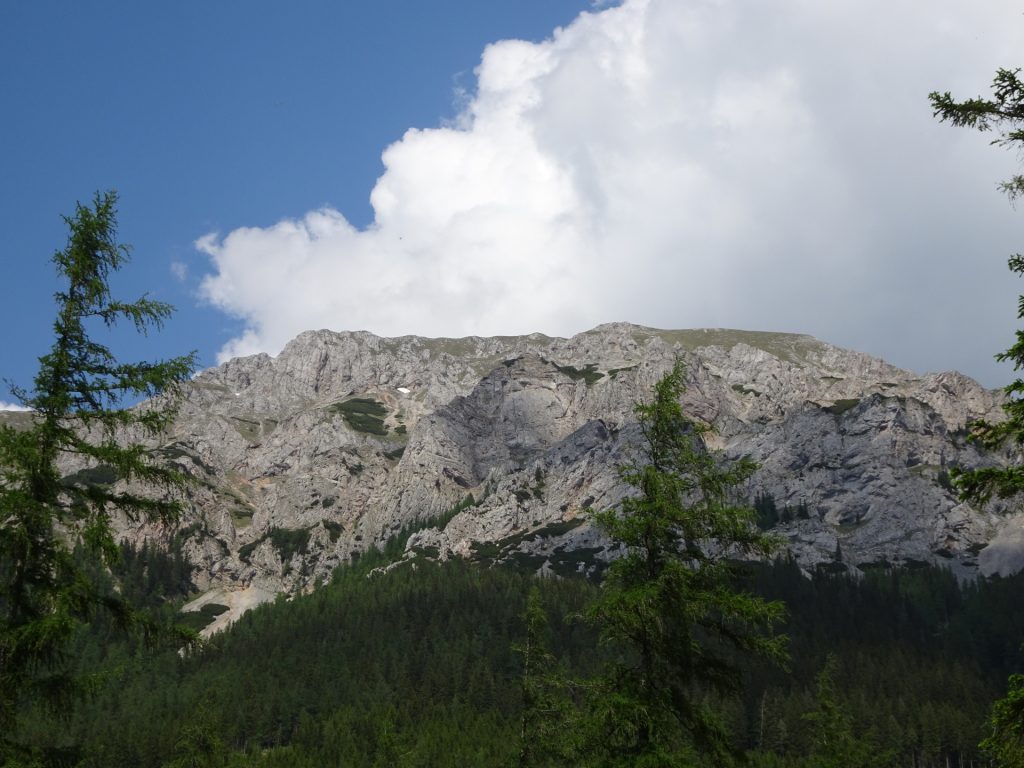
494, 447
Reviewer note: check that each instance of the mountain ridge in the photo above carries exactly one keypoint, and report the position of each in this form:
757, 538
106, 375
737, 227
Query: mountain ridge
346, 439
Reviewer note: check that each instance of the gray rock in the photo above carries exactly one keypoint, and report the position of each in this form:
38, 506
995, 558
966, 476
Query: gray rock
534, 427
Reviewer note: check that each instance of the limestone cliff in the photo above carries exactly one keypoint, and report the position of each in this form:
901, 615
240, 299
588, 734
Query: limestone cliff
345, 439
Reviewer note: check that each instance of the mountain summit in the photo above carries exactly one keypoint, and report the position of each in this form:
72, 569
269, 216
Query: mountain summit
495, 447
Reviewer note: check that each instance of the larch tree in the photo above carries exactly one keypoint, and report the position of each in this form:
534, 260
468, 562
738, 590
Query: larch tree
77, 413
669, 610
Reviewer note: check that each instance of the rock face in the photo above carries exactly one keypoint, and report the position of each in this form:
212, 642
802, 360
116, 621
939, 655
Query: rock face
347, 439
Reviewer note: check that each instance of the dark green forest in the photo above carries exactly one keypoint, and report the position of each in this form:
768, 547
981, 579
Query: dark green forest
418, 667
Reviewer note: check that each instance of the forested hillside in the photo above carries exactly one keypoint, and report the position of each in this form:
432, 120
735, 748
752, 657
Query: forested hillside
416, 667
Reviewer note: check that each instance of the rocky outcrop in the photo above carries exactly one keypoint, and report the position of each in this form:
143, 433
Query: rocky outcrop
346, 439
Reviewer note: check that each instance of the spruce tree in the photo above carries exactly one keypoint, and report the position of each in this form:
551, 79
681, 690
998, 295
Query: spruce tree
833, 744
546, 733
669, 608
1004, 113
1004, 743
45, 592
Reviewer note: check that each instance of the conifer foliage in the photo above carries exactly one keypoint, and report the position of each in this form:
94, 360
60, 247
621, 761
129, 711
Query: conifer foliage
45, 590
1004, 112
546, 735
669, 607
1005, 740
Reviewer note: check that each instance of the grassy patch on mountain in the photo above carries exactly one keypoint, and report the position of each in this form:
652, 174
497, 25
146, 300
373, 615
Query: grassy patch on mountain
614, 372
745, 390
791, 347
201, 619
17, 420
176, 451
363, 414
508, 550
287, 541
588, 373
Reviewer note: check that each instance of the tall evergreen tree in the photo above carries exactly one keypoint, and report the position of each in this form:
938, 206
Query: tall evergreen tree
44, 591
1004, 112
1005, 740
546, 727
669, 607
833, 743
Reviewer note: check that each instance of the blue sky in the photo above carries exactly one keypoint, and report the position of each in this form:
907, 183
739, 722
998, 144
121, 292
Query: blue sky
680, 164
207, 117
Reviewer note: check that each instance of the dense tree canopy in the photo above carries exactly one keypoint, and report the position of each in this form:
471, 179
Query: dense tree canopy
417, 662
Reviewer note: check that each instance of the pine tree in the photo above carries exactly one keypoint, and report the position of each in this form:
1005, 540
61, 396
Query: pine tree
669, 607
44, 592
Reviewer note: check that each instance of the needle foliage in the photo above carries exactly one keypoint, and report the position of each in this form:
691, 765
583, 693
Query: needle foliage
46, 590
1004, 113
670, 610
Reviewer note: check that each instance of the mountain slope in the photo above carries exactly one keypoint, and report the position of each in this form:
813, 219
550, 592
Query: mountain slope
345, 439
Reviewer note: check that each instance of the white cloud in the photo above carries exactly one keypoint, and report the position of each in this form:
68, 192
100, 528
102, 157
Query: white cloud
179, 270
5, 406
710, 163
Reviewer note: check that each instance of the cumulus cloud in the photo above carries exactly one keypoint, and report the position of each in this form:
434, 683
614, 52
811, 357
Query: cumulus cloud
5, 406
770, 166
180, 271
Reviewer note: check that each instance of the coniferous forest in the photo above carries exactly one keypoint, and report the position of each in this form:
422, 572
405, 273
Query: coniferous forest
423, 666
